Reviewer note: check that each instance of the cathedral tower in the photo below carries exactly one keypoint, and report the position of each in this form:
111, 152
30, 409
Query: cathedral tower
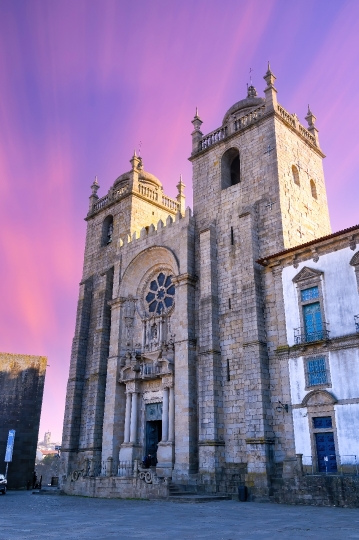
258, 188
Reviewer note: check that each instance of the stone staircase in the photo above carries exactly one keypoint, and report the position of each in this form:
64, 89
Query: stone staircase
189, 494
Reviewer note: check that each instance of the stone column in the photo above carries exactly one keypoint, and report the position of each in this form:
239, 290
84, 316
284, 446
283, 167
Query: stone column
211, 446
171, 416
115, 399
127, 418
75, 385
133, 429
165, 415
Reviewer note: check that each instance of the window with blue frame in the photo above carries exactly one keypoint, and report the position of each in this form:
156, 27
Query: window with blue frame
316, 371
313, 324
322, 422
311, 293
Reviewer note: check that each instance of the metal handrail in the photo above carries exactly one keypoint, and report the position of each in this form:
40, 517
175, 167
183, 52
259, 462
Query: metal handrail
301, 336
346, 465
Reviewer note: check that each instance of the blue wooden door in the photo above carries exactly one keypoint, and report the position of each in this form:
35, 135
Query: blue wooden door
327, 461
313, 322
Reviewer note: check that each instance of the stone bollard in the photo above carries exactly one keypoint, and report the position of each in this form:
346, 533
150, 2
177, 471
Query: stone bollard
109, 466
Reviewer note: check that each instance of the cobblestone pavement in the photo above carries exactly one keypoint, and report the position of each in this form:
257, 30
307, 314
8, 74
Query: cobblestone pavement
24, 516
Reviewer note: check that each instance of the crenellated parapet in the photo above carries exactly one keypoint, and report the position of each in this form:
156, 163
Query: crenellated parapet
152, 230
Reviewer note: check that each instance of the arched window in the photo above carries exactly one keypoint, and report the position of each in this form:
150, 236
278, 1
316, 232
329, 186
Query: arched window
313, 189
295, 174
107, 231
231, 169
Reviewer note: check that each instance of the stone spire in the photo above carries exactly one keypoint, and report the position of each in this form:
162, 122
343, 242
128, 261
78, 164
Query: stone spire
94, 197
270, 91
136, 162
196, 133
181, 196
310, 118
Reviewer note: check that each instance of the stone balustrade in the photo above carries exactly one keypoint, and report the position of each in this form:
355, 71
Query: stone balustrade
170, 203
213, 137
247, 119
305, 133
148, 192
289, 118
101, 203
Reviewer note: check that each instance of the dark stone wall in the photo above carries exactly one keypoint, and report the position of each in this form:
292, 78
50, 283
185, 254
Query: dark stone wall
318, 490
22, 380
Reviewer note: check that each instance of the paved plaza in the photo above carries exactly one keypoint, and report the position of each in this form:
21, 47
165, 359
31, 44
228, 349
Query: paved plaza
24, 516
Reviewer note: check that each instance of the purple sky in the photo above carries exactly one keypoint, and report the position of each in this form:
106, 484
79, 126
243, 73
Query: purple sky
82, 82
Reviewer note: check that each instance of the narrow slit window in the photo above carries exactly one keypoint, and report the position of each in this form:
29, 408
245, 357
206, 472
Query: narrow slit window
295, 174
313, 189
229, 303
232, 236
228, 372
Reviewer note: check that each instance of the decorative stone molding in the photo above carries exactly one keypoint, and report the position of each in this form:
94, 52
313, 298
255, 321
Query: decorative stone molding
143, 289
307, 273
315, 255
318, 397
167, 382
133, 387
260, 440
355, 262
184, 279
352, 242
152, 396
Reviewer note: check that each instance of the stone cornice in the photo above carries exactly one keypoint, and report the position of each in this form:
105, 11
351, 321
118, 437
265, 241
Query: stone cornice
322, 246
211, 443
184, 279
208, 351
260, 440
349, 341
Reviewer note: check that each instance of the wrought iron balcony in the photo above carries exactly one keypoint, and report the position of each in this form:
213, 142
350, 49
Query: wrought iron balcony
356, 321
302, 336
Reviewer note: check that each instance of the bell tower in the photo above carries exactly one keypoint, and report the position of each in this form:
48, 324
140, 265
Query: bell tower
258, 188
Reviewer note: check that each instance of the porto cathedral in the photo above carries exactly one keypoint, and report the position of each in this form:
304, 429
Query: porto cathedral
218, 347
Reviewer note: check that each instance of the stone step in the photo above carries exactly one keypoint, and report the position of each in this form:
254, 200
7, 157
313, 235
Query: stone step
47, 491
195, 498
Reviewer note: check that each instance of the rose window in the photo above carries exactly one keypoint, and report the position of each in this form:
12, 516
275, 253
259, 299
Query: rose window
160, 295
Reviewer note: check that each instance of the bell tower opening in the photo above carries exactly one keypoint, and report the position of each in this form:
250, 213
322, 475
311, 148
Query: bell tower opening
231, 168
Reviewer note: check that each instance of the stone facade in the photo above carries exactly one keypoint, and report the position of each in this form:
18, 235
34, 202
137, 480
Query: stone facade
177, 316
22, 380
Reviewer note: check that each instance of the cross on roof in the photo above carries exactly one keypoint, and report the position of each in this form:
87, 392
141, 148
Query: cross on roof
269, 150
300, 232
270, 204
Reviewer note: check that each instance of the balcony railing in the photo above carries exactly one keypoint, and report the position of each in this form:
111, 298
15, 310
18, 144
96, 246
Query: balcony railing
356, 321
302, 336
345, 465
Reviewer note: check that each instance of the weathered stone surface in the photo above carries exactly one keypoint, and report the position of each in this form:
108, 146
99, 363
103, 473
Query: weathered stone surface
22, 379
206, 361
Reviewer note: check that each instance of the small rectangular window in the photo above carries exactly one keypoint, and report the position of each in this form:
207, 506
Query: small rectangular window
309, 294
228, 372
232, 237
322, 422
229, 303
317, 373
